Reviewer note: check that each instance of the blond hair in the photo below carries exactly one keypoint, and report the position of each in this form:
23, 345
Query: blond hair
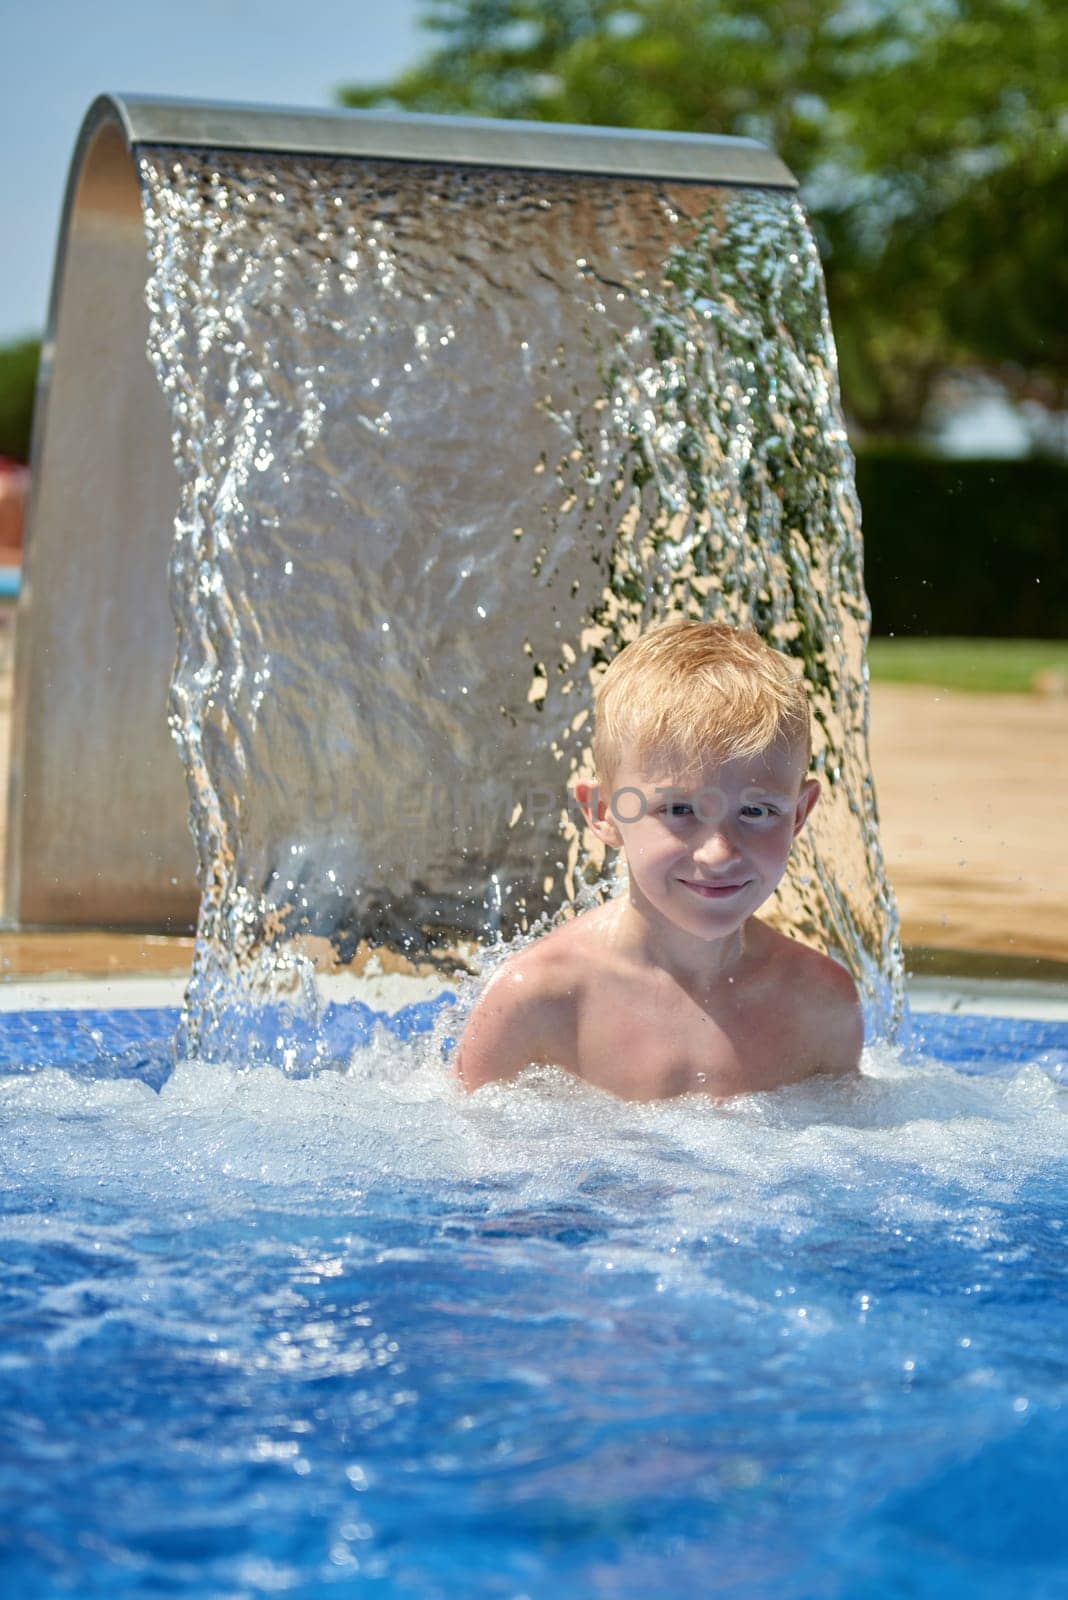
688, 690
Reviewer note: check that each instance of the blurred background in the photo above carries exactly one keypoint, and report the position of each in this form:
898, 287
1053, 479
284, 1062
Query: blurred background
930, 138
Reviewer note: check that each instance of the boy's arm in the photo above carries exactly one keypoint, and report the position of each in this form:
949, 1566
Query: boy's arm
510, 1028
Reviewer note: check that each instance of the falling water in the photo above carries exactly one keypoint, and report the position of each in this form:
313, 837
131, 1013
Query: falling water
447, 438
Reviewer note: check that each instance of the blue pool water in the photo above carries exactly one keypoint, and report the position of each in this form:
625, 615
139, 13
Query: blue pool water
355, 1333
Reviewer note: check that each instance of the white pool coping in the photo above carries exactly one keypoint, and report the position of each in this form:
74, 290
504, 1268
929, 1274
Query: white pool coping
383, 992
991, 997
390, 991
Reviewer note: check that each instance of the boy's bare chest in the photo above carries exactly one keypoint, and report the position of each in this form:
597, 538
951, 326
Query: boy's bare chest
650, 1044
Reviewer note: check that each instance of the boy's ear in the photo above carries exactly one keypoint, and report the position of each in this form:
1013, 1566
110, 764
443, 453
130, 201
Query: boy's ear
806, 800
595, 809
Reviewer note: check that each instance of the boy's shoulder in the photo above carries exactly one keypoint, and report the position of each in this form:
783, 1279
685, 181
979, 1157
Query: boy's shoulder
525, 1014
543, 968
803, 964
823, 1000
557, 961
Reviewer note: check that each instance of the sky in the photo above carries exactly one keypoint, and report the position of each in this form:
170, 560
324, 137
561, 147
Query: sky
57, 55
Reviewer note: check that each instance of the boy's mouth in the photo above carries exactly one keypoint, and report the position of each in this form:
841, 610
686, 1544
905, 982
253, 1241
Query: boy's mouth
715, 891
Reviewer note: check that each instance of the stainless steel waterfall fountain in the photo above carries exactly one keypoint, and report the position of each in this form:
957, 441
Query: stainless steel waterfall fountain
98, 819
442, 412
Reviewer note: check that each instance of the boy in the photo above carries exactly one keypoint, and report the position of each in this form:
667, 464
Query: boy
701, 747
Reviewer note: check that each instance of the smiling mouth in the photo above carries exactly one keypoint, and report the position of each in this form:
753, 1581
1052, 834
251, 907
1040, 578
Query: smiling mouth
715, 891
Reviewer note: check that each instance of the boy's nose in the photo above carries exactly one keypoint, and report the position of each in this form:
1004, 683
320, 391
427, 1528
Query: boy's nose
715, 848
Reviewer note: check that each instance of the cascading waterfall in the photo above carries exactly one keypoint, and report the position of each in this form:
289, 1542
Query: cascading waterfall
447, 438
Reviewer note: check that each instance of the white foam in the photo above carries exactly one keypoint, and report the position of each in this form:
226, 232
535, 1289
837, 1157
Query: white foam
912, 1141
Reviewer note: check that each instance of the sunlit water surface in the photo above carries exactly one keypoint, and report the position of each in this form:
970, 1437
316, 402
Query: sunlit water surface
357, 1331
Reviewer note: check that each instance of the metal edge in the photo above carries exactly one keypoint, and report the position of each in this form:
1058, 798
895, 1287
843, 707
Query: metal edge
462, 141
104, 109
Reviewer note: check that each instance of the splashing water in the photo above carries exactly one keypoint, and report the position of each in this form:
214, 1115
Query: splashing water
263, 1333
447, 438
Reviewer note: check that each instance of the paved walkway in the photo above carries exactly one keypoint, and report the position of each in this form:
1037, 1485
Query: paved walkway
973, 797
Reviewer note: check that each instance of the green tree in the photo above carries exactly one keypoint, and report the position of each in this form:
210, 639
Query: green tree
18, 378
930, 138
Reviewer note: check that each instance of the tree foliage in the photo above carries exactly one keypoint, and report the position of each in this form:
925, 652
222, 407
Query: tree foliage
930, 138
18, 377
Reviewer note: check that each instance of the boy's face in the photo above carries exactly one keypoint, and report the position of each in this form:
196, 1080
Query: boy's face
707, 851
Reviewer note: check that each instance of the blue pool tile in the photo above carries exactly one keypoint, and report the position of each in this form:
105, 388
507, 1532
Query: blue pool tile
139, 1043
986, 1044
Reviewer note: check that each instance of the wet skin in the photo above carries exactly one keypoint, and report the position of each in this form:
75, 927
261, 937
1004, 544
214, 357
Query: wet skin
676, 986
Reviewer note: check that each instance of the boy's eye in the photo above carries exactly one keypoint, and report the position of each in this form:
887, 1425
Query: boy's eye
759, 811
678, 808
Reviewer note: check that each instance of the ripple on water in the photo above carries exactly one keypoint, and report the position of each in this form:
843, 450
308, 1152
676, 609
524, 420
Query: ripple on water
260, 1330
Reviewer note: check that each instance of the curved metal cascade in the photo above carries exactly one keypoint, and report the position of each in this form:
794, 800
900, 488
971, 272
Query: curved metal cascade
448, 410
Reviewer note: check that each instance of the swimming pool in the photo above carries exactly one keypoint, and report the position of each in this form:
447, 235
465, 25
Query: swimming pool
356, 1333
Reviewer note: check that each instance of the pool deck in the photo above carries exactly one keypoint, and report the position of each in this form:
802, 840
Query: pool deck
971, 791
972, 794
